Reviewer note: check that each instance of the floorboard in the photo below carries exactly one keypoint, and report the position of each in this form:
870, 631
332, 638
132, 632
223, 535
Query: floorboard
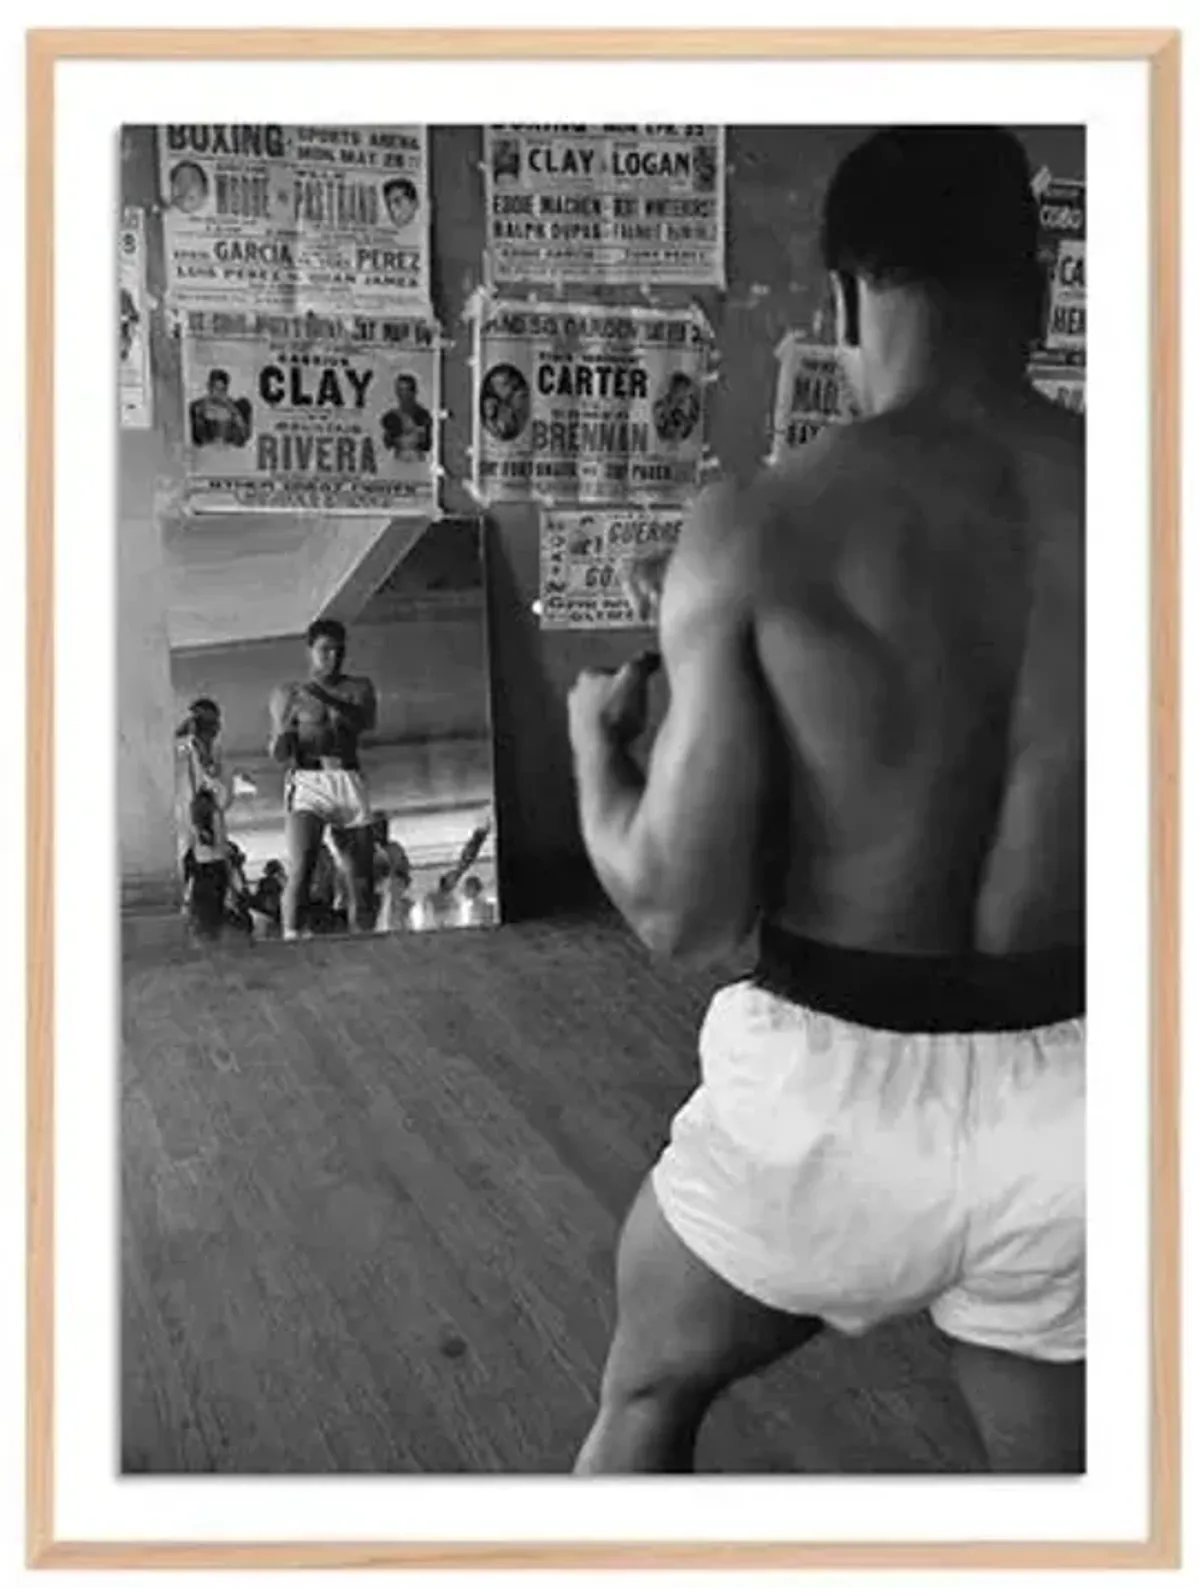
371, 1191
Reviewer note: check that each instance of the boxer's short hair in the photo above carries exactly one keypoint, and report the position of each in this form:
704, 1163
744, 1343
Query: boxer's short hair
326, 628
942, 207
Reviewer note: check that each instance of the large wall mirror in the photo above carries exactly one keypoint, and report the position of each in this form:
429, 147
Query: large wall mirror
333, 749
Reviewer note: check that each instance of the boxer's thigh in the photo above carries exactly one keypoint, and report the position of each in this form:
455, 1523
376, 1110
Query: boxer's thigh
302, 831
680, 1327
355, 849
1030, 1414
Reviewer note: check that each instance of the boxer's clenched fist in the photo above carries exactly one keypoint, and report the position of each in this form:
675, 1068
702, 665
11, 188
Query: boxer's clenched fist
613, 706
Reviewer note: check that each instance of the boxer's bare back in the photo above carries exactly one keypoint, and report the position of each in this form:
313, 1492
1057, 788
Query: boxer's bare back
910, 593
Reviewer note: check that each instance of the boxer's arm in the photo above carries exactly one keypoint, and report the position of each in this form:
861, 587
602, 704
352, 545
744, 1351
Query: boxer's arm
677, 848
358, 711
368, 708
281, 743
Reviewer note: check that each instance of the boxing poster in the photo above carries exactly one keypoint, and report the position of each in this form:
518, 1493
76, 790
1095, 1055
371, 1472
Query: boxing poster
1062, 251
295, 219
810, 393
133, 320
1062, 383
630, 206
587, 404
310, 415
601, 567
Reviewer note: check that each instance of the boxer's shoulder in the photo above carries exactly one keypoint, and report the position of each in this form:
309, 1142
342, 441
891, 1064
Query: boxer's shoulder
717, 549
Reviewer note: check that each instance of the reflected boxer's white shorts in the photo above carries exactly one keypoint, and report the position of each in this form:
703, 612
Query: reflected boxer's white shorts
338, 797
852, 1174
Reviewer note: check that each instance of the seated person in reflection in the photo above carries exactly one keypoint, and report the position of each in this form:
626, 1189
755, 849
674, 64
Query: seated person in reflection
237, 892
217, 419
266, 901
316, 726
408, 427
393, 878
439, 908
475, 908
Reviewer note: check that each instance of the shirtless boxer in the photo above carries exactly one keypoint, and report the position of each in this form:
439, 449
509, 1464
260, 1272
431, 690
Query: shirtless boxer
874, 754
316, 726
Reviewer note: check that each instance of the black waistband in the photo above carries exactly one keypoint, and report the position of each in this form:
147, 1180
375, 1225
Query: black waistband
923, 992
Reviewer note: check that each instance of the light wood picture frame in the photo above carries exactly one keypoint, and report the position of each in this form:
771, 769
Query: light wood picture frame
1160, 50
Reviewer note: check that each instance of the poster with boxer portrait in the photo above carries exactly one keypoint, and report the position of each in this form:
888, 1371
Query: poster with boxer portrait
304, 414
587, 403
602, 568
810, 393
294, 219
623, 205
1062, 251
133, 321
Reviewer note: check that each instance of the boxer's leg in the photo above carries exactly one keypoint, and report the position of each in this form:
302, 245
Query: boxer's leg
682, 1336
355, 851
1030, 1414
302, 836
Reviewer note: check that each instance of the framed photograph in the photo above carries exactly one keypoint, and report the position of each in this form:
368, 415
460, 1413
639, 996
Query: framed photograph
321, 1234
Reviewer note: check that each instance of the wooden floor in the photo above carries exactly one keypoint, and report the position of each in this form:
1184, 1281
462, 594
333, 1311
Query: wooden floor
371, 1194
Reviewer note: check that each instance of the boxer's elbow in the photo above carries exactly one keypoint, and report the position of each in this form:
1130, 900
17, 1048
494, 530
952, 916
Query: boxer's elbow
677, 914
689, 931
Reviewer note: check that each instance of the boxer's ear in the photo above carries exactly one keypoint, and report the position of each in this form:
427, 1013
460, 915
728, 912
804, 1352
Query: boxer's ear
846, 305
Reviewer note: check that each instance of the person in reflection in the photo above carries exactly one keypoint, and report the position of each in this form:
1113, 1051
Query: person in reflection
237, 894
439, 908
317, 725
266, 901
203, 792
475, 908
393, 878
872, 760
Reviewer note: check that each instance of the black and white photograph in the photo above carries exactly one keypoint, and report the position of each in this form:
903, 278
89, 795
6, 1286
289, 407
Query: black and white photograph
625, 682
749, 1137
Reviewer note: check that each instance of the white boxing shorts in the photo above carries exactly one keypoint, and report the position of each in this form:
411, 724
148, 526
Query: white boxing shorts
337, 797
855, 1174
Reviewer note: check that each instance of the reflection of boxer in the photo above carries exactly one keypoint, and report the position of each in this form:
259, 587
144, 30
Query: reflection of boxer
402, 200
873, 760
408, 427
217, 419
677, 409
189, 187
504, 402
315, 728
